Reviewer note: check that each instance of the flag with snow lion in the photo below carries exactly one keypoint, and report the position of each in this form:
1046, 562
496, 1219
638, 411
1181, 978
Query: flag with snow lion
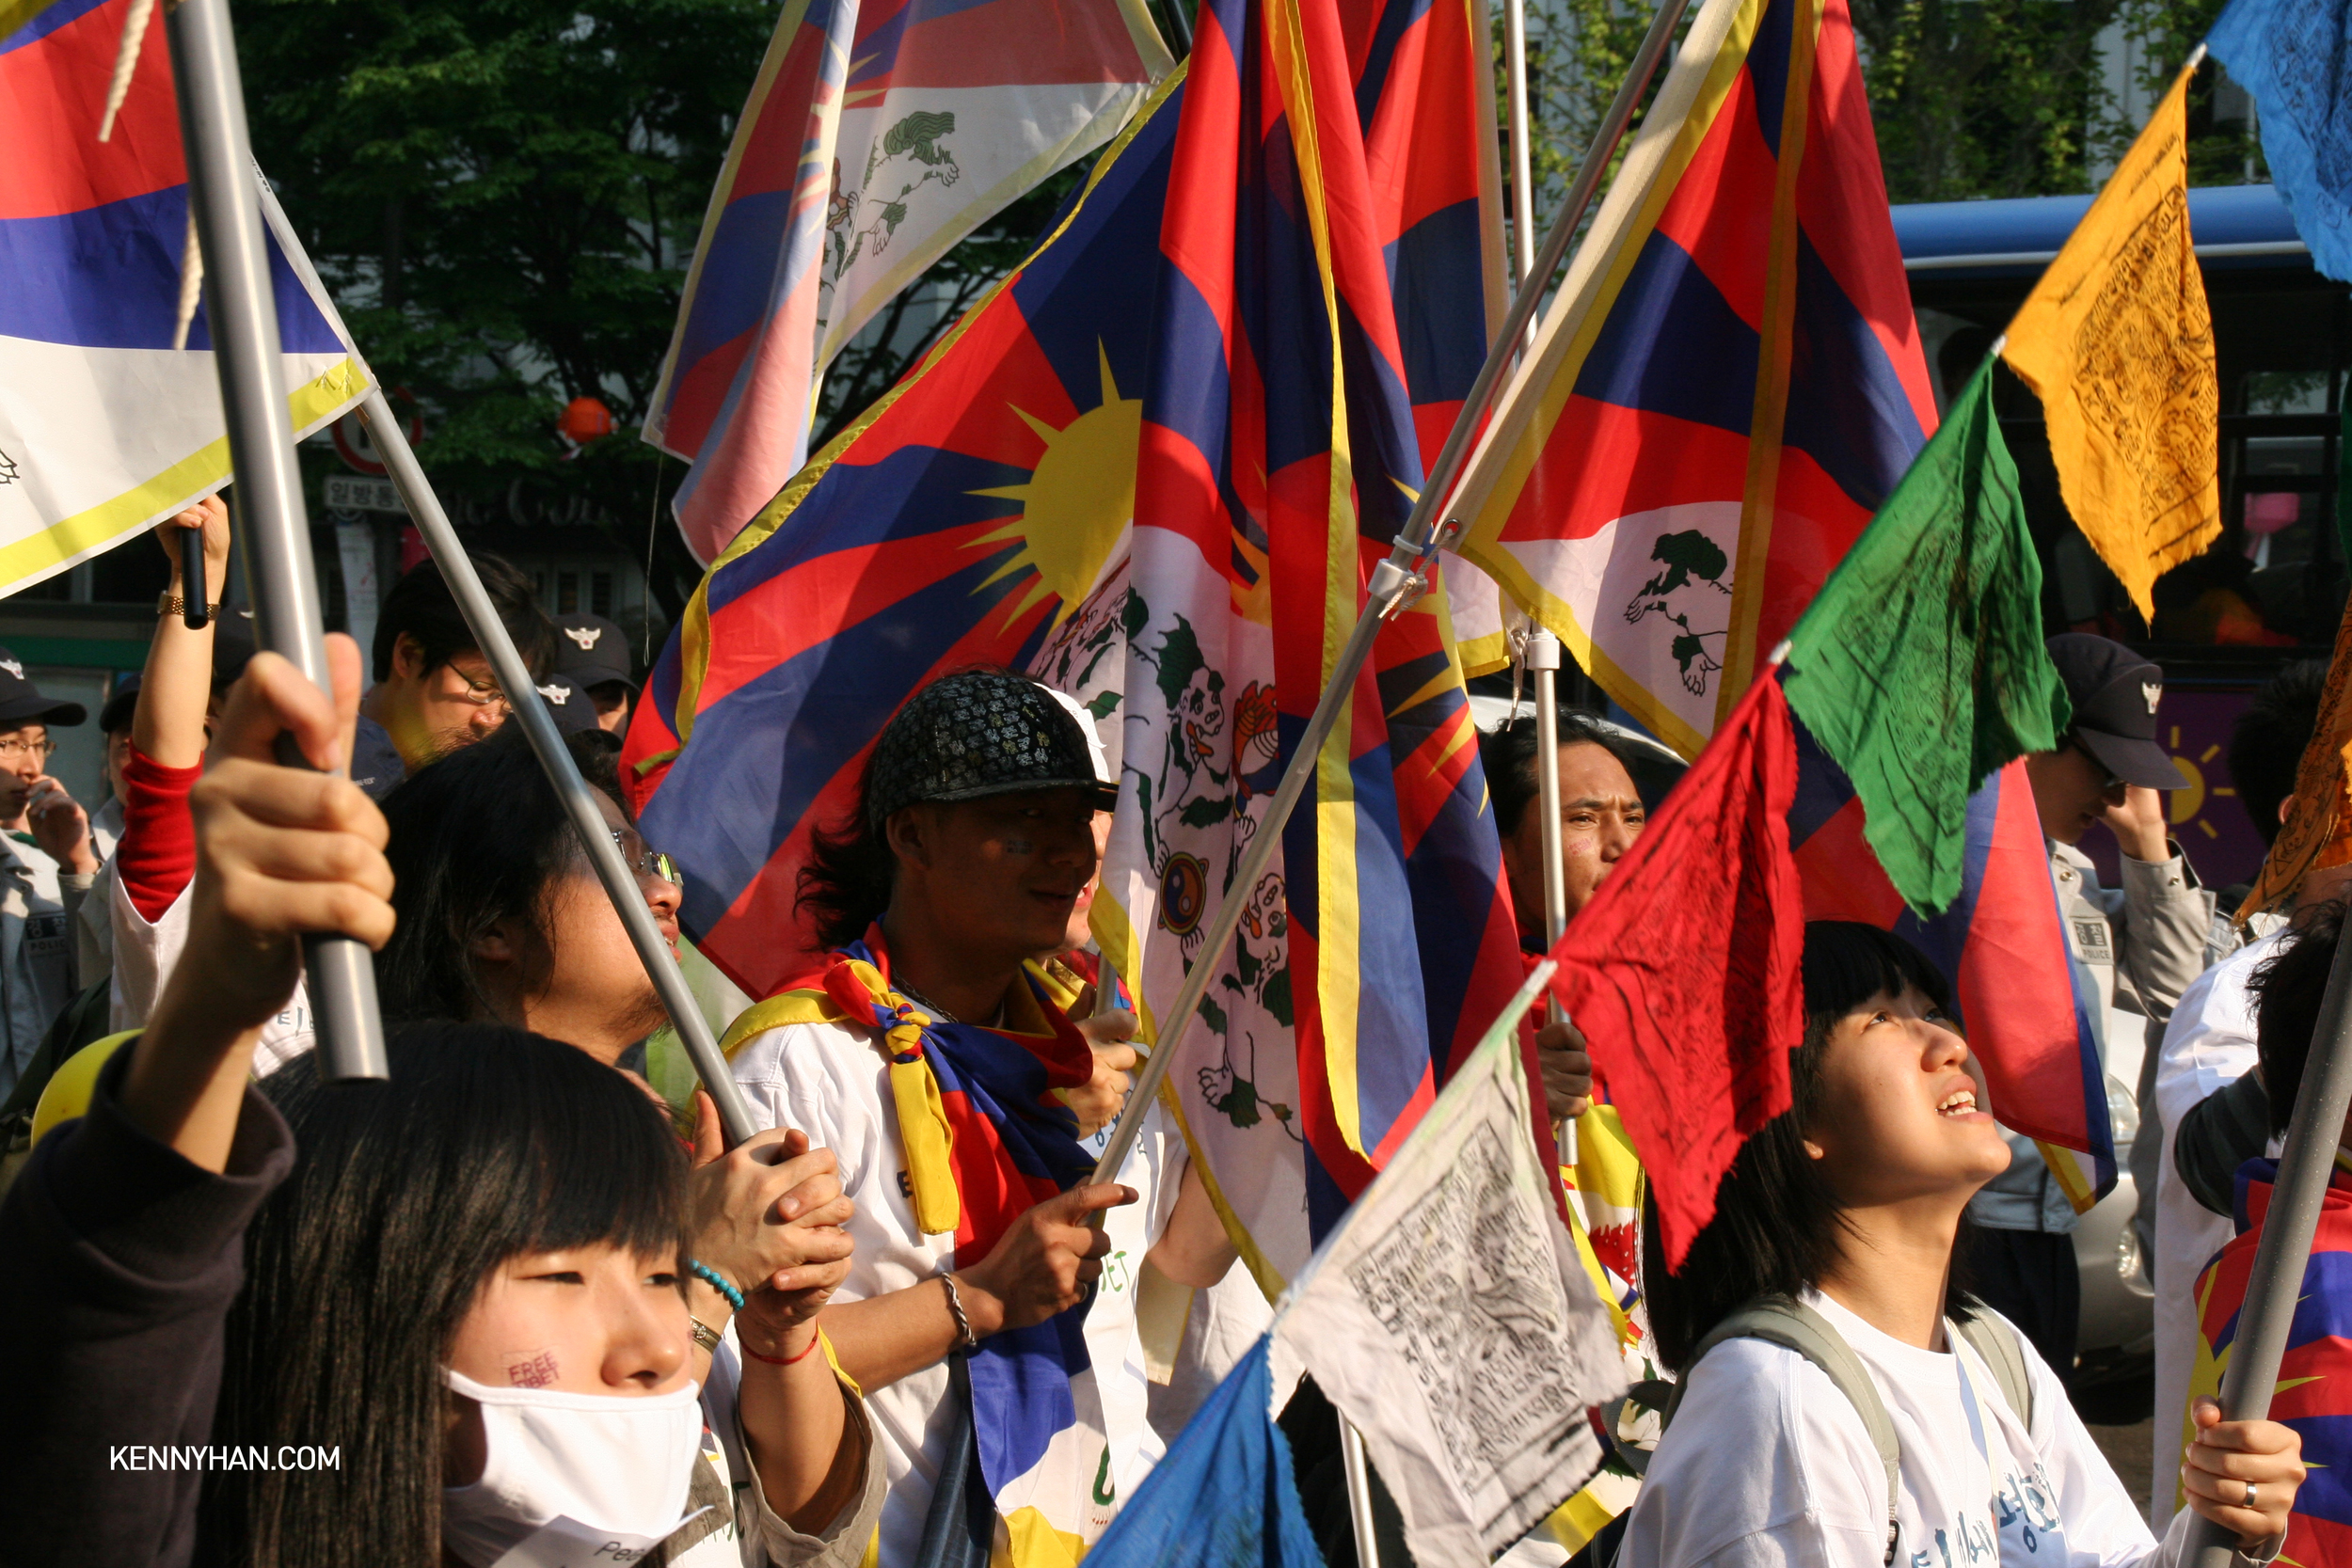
105, 426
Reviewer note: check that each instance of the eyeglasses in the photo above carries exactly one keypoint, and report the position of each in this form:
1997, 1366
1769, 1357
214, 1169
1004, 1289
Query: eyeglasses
644, 859
16, 751
480, 693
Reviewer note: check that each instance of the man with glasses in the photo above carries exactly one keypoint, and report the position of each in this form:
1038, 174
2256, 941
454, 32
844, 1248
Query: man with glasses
2135, 947
434, 689
35, 939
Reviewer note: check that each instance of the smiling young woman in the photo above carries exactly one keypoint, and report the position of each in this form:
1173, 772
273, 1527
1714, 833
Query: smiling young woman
1845, 1210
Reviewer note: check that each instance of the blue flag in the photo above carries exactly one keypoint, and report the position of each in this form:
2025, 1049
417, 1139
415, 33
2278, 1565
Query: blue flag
2293, 56
1224, 1497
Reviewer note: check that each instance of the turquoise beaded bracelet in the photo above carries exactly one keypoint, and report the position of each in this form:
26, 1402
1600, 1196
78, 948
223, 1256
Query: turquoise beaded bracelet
711, 1278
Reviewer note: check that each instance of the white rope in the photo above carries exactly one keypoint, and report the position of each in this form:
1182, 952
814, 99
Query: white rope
191, 278
126, 62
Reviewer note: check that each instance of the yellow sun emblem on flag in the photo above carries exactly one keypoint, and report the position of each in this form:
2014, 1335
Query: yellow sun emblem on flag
1077, 502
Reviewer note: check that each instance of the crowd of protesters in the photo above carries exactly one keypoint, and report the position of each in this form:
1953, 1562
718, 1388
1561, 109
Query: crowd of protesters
514, 1294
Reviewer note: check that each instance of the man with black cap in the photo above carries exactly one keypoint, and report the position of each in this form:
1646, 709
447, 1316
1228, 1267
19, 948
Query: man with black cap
35, 937
972, 841
2135, 947
595, 653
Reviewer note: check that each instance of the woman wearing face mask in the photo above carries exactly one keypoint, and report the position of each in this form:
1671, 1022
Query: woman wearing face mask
1848, 1205
471, 1289
501, 919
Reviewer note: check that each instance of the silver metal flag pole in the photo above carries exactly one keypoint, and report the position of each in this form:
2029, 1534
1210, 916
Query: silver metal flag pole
2273, 1288
555, 759
1390, 583
1543, 661
242, 312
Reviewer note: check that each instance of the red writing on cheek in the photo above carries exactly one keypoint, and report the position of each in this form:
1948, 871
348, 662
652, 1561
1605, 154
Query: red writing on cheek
532, 1370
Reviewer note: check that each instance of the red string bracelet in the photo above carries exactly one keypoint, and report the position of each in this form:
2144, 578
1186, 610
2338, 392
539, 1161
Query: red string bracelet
815, 1339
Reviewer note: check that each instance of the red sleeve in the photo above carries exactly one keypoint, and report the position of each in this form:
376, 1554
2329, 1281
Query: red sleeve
157, 854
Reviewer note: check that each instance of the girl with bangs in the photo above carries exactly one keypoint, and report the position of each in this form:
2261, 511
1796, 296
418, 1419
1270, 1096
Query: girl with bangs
1843, 1211
471, 1286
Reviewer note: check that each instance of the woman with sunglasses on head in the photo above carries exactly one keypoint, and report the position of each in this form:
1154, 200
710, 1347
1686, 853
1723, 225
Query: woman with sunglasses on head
1842, 1212
501, 920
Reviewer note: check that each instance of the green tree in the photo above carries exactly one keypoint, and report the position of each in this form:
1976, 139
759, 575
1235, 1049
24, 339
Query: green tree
1970, 98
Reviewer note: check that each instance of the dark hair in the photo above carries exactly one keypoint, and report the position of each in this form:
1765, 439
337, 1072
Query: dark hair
420, 606
1507, 755
2267, 743
477, 838
2286, 990
1777, 1224
844, 886
407, 1193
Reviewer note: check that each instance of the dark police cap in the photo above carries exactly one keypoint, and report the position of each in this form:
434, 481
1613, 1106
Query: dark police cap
593, 651
978, 733
2115, 693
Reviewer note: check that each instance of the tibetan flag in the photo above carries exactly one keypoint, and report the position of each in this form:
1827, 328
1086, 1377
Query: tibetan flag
105, 428
2315, 1392
2117, 341
2001, 947
878, 133
1280, 456
977, 510
1685, 971
1727, 385
1921, 667
2292, 55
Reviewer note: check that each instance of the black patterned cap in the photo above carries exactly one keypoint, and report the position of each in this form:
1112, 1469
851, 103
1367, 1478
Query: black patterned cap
980, 732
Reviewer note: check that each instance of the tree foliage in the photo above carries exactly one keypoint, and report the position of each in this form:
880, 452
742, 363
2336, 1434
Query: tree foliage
1970, 98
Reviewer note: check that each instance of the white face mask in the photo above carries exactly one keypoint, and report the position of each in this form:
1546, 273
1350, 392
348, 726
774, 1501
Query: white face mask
619, 1464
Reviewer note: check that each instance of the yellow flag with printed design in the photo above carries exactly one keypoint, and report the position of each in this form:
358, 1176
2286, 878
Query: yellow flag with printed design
2118, 343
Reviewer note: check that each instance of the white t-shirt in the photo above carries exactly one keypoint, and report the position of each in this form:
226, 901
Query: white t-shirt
831, 1082
2208, 1045
145, 952
1769, 1465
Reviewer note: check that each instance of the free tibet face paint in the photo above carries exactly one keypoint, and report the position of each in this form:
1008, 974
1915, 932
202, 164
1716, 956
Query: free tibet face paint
530, 1368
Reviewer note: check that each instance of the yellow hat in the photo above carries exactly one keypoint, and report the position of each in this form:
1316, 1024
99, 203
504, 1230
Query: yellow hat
70, 1086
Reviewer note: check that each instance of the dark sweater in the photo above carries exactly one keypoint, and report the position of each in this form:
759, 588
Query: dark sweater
121, 1261
2222, 1131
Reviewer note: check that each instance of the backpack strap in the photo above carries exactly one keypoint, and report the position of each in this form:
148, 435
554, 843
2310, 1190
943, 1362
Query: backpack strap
1793, 1325
1996, 1340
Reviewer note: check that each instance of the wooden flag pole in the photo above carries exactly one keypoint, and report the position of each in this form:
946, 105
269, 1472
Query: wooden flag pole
339, 972
2273, 1288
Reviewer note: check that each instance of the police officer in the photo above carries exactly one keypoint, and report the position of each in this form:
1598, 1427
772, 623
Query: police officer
2135, 947
595, 653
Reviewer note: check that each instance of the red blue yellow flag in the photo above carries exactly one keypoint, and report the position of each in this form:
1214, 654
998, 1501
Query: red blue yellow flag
878, 133
2315, 1370
1279, 458
1727, 385
110, 415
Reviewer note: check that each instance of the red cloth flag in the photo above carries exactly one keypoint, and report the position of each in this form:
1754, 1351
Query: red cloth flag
1685, 973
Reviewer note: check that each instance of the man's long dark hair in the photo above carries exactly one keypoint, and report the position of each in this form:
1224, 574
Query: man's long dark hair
485, 1143
477, 838
1777, 1224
